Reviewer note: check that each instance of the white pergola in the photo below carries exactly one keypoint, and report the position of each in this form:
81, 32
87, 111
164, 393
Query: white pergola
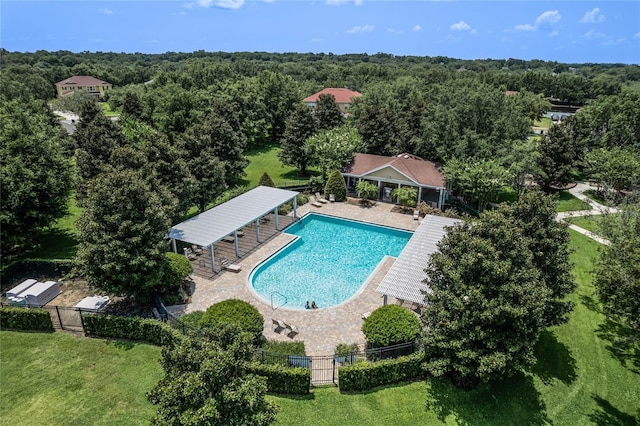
404, 280
213, 225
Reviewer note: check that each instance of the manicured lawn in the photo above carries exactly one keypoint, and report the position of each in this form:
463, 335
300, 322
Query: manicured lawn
106, 109
582, 376
266, 160
60, 241
590, 223
58, 379
545, 122
568, 203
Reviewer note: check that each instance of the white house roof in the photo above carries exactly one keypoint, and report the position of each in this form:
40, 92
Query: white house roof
220, 221
404, 280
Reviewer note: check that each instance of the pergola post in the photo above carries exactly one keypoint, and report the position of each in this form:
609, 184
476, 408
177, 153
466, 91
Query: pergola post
258, 230
275, 213
235, 242
213, 258
419, 194
295, 207
441, 198
173, 245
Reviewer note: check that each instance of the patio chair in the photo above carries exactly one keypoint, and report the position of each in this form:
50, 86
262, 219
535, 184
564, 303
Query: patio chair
321, 199
197, 250
292, 328
314, 203
189, 254
332, 198
228, 266
366, 315
277, 324
416, 214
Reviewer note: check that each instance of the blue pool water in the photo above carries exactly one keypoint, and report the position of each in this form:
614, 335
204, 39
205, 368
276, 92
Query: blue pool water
328, 263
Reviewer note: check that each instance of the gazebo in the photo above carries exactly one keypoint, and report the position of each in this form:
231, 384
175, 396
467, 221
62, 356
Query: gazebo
227, 219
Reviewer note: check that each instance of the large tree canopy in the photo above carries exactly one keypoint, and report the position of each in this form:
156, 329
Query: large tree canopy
35, 176
332, 149
301, 125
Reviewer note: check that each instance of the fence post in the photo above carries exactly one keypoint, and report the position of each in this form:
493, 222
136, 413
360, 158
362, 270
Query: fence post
82, 321
59, 319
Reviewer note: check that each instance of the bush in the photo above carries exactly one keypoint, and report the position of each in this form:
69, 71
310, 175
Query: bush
192, 319
238, 312
285, 380
178, 269
366, 375
391, 325
344, 349
317, 183
15, 318
283, 348
336, 186
130, 328
36, 268
265, 180
301, 199
367, 190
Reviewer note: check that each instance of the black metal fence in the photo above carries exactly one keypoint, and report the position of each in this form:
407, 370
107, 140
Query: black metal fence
62, 317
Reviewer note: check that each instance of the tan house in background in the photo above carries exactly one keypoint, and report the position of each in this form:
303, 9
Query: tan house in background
343, 97
87, 83
398, 171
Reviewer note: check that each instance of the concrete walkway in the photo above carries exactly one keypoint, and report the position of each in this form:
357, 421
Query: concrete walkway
596, 209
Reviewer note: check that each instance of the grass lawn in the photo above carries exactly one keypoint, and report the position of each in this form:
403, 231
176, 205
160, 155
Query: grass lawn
60, 241
582, 376
544, 122
266, 160
58, 379
568, 203
106, 109
590, 223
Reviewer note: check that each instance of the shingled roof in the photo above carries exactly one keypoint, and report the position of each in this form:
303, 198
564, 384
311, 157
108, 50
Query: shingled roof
82, 80
343, 96
420, 171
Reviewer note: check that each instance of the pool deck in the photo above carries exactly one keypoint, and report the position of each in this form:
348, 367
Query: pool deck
321, 329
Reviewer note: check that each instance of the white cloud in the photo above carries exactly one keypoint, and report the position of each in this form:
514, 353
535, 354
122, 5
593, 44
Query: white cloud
339, 2
269, 1
548, 17
393, 31
554, 33
417, 28
525, 27
636, 35
592, 17
105, 11
224, 4
593, 34
361, 29
317, 40
460, 26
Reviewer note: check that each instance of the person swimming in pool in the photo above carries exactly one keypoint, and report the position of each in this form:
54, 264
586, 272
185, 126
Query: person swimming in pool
313, 305
307, 305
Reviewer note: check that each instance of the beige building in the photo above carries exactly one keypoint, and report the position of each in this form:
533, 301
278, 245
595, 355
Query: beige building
343, 98
89, 84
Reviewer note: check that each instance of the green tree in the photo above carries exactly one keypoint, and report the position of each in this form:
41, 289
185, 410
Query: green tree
327, 113
481, 181
367, 190
332, 149
207, 381
73, 102
301, 125
560, 151
122, 233
336, 185
132, 106
616, 168
617, 272
278, 93
485, 310
406, 196
35, 176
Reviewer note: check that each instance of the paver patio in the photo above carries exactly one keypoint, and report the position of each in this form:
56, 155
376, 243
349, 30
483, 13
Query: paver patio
321, 329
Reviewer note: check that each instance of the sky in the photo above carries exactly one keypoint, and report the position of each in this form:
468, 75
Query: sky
568, 31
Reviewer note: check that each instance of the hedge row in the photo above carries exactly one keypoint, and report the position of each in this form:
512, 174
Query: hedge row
15, 318
36, 268
284, 380
363, 376
130, 328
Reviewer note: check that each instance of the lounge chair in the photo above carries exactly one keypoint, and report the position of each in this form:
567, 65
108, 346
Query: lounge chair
321, 199
197, 250
292, 328
365, 315
416, 214
228, 266
189, 254
332, 198
228, 239
277, 324
314, 203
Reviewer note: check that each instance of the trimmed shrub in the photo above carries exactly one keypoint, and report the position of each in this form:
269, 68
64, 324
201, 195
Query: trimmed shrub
366, 375
344, 349
286, 208
265, 180
391, 325
178, 269
283, 348
317, 183
367, 190
192, 319
238, 312
34, 268
15, 318
336, 186
285, 380
130, 328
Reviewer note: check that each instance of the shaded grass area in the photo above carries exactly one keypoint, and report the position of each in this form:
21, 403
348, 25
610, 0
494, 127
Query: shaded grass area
568, 203
60, 242
106, 109
583, 375
590, 223
544, 122
266, 160
60, 379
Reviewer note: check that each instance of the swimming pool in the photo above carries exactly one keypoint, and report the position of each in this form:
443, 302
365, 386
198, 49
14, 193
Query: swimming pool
328, 263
